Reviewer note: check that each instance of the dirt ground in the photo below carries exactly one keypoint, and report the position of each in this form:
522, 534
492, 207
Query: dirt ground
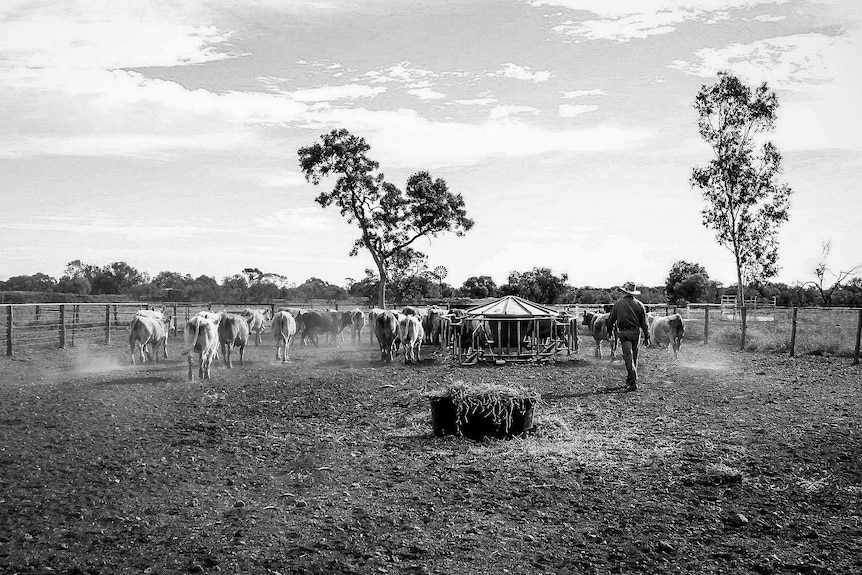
723, 462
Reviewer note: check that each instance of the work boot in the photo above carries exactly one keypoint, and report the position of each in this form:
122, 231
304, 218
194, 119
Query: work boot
632, 387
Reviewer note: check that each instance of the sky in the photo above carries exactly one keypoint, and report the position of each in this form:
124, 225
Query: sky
165, 134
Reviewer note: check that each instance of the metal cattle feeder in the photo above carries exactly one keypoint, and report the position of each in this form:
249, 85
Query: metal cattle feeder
515, 328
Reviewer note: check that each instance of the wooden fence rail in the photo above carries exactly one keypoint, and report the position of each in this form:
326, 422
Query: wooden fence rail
794, 330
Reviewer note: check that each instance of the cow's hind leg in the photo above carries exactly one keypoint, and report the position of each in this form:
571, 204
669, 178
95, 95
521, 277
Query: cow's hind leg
191, 373
242, 353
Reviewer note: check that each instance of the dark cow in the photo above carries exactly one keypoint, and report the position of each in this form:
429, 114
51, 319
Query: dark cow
470, 334
316, 322
666, 331
232, 332
386, 332
597, 324
432, 323
504, 334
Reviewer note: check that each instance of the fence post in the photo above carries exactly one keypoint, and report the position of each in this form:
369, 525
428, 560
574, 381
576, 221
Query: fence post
62, 326
108, 324
38, 312
10, 316
705, 325
75, 319
744, 313
793, 333
175, 320
209, 306
858, 338
666, 310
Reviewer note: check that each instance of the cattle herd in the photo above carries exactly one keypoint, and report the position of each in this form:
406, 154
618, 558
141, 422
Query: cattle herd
396, 332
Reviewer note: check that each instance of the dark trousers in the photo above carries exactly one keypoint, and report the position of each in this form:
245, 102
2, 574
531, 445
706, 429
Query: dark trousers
629, 339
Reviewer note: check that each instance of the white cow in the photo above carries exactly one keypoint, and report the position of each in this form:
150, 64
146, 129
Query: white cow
283, 329
666, 331
257, 319
411, 334
201, 336
372, 319
145, 331
357, 321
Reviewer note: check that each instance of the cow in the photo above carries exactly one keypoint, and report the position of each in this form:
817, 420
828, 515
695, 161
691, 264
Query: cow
212, 316
232, 331
145, 331
505, 333
666, 331
167, 320
372, 320
283, 329
470, 334
411, 334
201, 336
386, 332
315, 322
256, 319
357, 322
297, 315
549, 328
597, 324
432, 323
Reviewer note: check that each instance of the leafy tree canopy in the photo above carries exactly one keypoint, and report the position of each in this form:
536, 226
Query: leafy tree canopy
389, 219
745, 205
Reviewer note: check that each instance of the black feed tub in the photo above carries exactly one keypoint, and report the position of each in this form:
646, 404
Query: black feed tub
480, 423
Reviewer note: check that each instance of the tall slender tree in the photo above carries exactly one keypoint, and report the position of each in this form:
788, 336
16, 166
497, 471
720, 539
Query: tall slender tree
388, 218
745, 205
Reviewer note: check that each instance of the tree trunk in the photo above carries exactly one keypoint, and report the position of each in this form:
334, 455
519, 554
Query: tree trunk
381, 296
740, 291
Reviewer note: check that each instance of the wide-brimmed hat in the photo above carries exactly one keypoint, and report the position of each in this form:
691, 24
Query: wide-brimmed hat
629, 288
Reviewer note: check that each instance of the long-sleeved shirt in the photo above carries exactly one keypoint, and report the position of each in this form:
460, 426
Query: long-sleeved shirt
628, 313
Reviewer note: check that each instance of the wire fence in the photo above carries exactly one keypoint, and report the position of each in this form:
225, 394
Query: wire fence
796, 331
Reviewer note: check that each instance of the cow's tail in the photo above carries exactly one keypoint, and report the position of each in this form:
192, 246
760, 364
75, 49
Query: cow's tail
194, 340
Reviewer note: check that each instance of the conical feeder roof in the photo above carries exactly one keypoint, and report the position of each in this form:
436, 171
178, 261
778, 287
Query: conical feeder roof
512, 306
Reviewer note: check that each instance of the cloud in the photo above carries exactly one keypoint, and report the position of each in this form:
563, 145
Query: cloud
500, 112
277, 178
402, 73
331, 93
817, 78
403, 138
583, 93
624, 20
572, 110
426, 94
524, 73
108, 39
105, 224
768, 18
294, 220
476, 102
787, 62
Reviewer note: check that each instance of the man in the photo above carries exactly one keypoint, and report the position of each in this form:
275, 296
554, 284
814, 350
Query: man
629, 315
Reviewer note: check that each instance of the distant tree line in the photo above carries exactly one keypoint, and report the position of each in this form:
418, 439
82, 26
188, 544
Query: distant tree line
409, 282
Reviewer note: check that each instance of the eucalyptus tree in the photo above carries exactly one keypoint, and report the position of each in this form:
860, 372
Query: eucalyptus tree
745, 204
389, 219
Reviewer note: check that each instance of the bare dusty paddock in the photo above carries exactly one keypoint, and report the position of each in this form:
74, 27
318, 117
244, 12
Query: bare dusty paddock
724, 462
